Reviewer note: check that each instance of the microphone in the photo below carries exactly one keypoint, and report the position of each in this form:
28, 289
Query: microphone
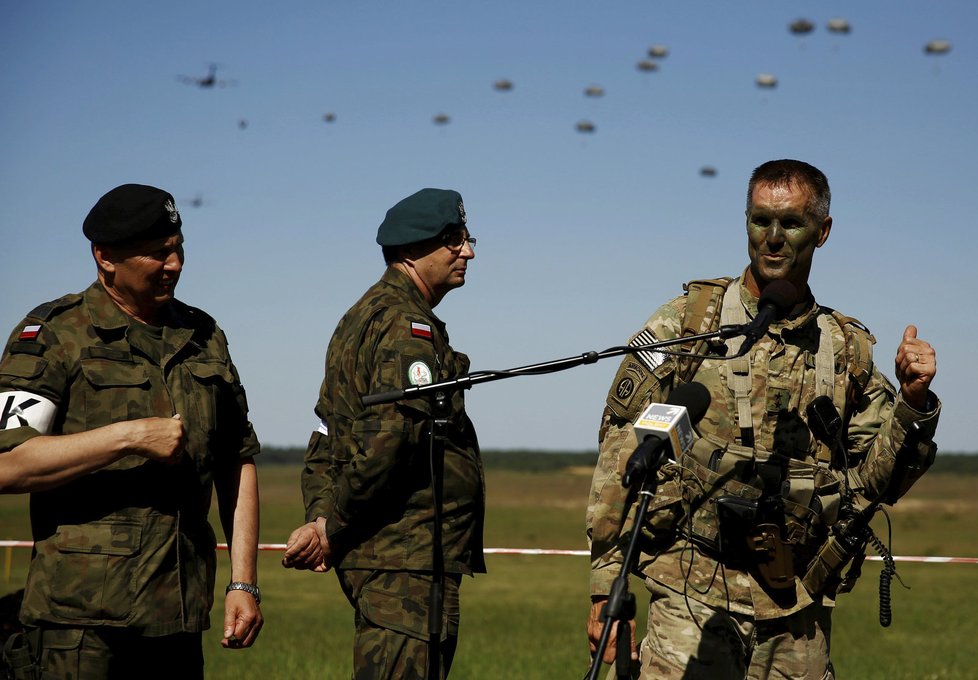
666, 430
776, 301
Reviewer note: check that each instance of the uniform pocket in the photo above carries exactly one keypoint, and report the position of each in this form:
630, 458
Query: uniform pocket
210, 380
117, 389
94, 575
399, 601
22, 366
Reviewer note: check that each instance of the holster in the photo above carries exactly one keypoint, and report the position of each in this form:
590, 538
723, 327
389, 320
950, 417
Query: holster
772, 557
19, 654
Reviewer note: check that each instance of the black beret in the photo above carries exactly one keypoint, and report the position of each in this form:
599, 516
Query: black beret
132, 212
421, 216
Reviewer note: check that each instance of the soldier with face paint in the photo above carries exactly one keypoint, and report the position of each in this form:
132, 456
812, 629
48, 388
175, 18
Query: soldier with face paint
367, 481
734, 551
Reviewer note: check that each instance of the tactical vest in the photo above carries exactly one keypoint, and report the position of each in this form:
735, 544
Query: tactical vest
719, 477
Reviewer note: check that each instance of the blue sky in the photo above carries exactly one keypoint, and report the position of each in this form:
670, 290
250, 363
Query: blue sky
581, 237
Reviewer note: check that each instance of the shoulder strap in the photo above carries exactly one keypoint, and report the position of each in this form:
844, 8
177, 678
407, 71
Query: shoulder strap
859, 357
702, 315
45, 311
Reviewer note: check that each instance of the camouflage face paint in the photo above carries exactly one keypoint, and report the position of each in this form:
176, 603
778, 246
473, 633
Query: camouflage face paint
781, 234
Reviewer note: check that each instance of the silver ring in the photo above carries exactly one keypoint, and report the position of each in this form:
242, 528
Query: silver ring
916, 359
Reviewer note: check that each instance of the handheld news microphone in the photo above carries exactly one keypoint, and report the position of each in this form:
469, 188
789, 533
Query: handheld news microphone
776, 301
666, 430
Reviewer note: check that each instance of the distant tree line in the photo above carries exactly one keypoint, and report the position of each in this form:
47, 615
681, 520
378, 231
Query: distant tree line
528, 460
516, 459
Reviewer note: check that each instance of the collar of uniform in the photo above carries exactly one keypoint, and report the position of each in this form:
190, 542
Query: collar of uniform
105, 313
398, 279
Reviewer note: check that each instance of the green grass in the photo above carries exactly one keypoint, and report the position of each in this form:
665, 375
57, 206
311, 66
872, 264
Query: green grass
525, 619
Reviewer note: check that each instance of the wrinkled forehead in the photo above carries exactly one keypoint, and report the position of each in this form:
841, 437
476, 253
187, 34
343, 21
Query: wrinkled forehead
150, 245
790, 191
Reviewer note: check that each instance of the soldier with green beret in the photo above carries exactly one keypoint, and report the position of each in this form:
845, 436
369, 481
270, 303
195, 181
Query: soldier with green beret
741, 551
121, 413
367, 481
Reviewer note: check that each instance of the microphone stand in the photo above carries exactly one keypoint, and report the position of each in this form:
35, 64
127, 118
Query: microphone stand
439, 394
464, 382
620, 605
436, 460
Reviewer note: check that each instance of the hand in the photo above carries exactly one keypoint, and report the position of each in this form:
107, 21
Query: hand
594, 627
242, 620
916, 366
159, 439
308, 548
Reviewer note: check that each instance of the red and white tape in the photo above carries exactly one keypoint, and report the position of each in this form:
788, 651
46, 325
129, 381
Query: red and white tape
574, 553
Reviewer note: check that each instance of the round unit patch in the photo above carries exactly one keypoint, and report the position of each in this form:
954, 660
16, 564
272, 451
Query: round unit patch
419, 373
625, 388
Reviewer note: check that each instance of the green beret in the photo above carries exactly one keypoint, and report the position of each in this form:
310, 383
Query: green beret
421, 216
132, 212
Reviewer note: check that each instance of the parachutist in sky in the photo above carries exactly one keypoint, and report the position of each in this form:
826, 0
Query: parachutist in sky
937, 47
801, 26
838, 26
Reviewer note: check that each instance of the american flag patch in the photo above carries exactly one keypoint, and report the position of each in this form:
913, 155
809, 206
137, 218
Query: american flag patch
420, 330
651, 359
30, 332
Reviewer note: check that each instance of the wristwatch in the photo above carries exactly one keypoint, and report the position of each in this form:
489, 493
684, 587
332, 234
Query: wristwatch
247, 587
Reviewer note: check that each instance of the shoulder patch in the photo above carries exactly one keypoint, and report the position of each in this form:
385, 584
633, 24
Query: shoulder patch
629, 389
419, 373
421, 330
650, 358
29, 331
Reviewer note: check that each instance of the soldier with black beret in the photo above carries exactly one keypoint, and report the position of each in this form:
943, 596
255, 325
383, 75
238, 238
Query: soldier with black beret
121, 413
366, 482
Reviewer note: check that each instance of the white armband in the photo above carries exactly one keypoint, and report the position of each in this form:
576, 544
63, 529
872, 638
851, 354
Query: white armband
20, 409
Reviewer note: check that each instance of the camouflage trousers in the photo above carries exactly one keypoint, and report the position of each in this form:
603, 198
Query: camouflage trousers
114, 654
688, 640
391, 616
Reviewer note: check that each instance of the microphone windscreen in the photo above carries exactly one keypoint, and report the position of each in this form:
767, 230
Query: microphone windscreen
780, 293
694, 396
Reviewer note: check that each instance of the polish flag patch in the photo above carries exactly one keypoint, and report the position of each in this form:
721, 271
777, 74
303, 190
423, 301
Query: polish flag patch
420, 330
30, 332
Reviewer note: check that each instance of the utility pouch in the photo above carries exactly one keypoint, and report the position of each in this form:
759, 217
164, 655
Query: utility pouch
736, 517
825, 570
771, 556
709, 472
19, 657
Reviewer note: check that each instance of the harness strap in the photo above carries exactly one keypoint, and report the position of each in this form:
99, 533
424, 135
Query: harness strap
738, 370
825, 377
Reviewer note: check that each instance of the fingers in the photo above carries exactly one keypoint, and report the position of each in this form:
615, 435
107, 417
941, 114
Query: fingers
915, 367
242, 621
304, 549
595, 628
159, 439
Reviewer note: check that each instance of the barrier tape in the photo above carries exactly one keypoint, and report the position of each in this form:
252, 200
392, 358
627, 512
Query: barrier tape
574, 553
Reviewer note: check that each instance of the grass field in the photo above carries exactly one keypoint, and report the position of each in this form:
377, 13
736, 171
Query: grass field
525, 619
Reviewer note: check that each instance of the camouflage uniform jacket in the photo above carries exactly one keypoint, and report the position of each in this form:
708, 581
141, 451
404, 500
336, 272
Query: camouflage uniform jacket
128, 545
369, 476
783, 384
